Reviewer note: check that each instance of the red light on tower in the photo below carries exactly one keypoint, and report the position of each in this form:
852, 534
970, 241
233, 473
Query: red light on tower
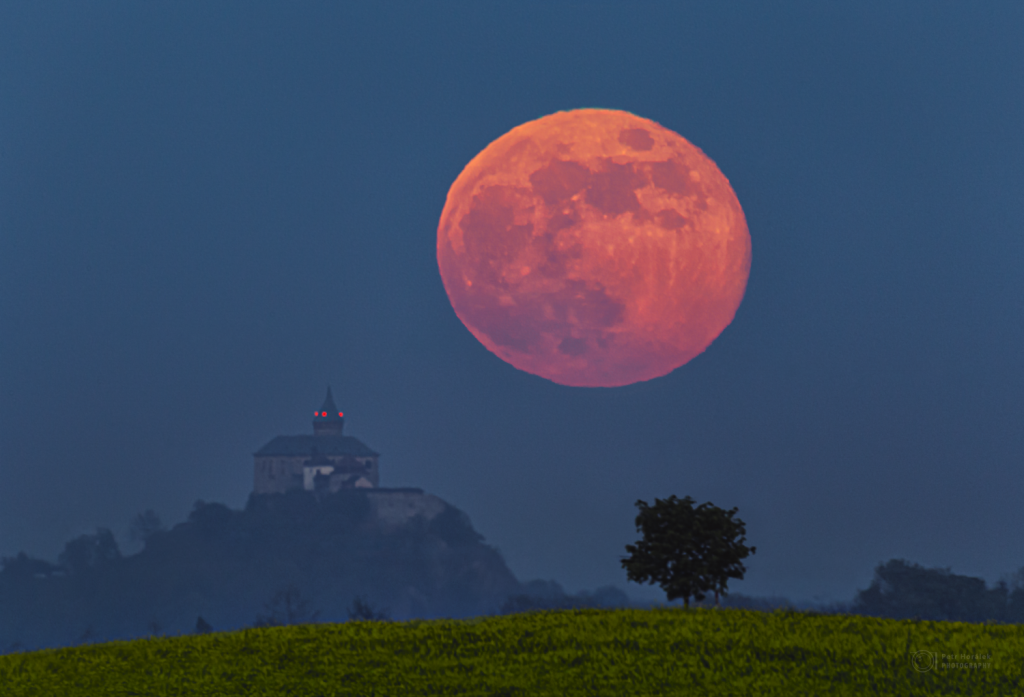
340, 414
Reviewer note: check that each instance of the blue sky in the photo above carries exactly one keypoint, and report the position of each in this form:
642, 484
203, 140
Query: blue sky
209, 211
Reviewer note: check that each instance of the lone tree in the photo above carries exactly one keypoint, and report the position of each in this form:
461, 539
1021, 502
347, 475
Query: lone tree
687, 551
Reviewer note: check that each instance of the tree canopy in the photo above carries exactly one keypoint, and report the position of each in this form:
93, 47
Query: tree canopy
687, 551
904, 590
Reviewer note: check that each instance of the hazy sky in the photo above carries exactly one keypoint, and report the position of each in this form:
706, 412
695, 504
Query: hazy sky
209, 211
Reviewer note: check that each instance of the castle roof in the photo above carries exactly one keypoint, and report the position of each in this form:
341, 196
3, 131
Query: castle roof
307, 446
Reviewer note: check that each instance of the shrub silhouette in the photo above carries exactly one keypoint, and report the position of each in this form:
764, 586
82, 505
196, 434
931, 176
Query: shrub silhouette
361, 610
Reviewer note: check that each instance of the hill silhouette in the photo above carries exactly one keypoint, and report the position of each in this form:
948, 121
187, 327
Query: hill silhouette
304, 557
285, 558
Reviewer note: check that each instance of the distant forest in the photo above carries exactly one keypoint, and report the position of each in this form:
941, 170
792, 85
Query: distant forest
284, 559
298, 557
903, 590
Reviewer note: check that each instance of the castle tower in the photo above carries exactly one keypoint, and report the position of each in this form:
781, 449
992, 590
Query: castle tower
324, 461
328, 421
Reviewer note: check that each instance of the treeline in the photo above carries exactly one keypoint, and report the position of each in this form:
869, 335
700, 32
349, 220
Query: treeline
298, 557
283, 559
899, 590
549, 595
903, 590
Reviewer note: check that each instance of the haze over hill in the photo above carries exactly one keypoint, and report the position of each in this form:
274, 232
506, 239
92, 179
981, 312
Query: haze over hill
285, 558
303, 556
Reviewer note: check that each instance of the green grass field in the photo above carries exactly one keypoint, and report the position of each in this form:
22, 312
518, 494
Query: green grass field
666, 651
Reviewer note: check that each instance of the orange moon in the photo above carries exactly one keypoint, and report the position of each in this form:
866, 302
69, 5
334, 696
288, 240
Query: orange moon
594, 248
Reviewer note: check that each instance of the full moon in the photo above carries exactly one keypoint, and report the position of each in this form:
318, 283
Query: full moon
594, 248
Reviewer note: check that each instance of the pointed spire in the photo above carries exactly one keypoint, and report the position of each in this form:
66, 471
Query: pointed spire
328, 405
328, 421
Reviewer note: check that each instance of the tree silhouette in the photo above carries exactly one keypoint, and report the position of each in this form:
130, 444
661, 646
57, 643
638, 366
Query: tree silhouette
361, 610
144, 526
687, 551
87, 552
903, 590
25, 567
286, 607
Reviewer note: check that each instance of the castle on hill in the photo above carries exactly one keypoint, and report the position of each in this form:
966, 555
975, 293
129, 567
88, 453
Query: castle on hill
326, 461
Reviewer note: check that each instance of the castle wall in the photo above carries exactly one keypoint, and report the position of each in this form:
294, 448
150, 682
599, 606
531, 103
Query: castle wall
275, 475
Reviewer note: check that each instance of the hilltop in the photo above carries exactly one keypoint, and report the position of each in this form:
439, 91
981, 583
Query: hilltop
286, 558
579, 652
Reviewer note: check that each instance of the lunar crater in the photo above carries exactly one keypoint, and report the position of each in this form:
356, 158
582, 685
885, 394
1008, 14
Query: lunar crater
636, 138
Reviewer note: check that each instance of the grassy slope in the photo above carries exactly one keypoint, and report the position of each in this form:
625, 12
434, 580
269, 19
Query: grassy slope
580, 652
